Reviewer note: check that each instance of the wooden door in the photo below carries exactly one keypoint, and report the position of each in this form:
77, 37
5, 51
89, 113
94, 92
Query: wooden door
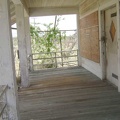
111, 45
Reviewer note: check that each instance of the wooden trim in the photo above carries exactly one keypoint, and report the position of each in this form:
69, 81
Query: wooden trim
118, 37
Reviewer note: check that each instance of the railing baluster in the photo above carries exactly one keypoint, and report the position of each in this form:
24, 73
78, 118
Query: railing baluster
37, 64
77, 58
55, 60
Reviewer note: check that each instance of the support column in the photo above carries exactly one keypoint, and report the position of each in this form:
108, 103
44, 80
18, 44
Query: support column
7, 67
22, 45
28, 41
118, 37
102, 42
78, 33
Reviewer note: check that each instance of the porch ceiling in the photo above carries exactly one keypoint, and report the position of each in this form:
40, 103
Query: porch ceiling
44, 4
53, 3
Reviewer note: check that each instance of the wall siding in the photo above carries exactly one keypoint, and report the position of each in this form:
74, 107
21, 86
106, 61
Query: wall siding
89, 37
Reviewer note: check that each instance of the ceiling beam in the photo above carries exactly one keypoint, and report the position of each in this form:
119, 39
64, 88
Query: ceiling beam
34, 12
23, 3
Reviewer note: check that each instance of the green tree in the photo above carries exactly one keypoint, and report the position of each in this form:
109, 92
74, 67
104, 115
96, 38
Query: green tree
47, 41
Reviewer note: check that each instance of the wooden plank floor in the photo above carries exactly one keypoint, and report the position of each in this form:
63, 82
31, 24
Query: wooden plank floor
68, 94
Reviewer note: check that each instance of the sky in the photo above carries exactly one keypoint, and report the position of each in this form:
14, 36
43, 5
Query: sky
69, 23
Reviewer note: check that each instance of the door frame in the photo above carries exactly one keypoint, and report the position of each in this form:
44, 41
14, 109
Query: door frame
102, 37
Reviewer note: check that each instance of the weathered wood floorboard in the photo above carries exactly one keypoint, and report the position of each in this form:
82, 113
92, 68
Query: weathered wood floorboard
68, 94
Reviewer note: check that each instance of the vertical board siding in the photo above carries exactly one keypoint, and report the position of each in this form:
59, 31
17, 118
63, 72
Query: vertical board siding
89, 37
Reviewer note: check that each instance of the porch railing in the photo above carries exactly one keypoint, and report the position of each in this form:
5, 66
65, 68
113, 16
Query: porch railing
53, 60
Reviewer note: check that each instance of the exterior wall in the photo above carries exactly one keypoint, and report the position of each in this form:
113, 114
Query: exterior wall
92, 66
86, 9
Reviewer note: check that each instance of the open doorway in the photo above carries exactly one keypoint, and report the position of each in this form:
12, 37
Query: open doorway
54, 41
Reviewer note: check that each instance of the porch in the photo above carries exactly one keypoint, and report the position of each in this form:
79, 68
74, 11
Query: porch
68, 94
62, 94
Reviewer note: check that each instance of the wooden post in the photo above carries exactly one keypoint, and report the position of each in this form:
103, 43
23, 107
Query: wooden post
102, 44
28, 40
61, 49
55, 60
77, 57
78, 36
7, 66
31, 62
22, 45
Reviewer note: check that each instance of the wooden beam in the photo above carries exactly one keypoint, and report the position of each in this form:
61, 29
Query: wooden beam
53, 11
23, 3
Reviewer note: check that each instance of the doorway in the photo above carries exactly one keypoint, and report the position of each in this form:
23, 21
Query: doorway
111, 45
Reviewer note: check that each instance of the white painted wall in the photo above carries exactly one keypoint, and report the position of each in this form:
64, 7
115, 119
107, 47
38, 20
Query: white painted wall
93, 67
